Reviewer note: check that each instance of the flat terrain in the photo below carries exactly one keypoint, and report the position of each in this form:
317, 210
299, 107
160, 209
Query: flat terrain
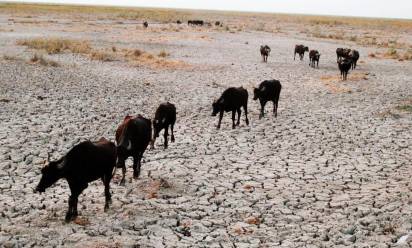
333, 169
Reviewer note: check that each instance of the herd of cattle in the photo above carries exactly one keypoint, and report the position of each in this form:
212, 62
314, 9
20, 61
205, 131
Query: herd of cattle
89, 161
346, 58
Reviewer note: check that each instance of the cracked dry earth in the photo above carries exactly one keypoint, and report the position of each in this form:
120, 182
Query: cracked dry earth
333, 170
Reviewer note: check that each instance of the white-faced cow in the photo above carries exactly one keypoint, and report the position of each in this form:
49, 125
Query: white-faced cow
232, 99
344, 67
268, 90
132, 138
165, 116
84, 163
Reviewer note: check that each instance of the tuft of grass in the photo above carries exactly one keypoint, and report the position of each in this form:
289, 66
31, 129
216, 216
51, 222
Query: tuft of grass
101, 56
56, 45
9, 57
163, 54
406, 108
39, 59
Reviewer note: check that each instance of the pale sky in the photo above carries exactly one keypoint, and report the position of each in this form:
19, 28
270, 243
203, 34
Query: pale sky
366, 8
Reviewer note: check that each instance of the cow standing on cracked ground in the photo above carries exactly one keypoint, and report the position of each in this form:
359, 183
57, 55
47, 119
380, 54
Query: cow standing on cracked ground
314, 57
165, 116
132, 138
268, 90
300, 49
232, 99
264, 52
84, 163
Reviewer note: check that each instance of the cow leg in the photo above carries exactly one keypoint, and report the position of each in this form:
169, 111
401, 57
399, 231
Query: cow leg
137, 162
239, 111
69, 212
275, 108
294, 56
123, 181
220, 119
245, 109
173, 136
262, 109
165, 134
233, 118
108, 196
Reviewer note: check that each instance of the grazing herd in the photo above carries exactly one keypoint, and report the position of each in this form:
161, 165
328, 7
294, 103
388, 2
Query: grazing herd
346, 58
89, 161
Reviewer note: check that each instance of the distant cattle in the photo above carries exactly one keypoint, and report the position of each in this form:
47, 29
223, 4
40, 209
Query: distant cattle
300, 49
264, 52
344, 67
84, 163
179, 22
342, 53
195, 22
165, 116
268, 90
232, 99
314, 56
218, 23
145, 24
354, 56
132, 138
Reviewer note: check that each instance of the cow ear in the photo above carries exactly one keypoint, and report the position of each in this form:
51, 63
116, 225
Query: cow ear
263, 88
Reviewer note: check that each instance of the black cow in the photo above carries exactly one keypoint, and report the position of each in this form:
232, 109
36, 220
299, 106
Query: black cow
232, 99
354, 56
84, 163
314, 56
132, 138
265, 51
344, 67
300, 49
165, 116
218, 23
195, 22
145, 24
178, 22
342, 53
268, 90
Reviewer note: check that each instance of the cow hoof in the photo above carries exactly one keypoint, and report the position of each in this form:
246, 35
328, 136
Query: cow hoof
106, 207
173, 138
218, 127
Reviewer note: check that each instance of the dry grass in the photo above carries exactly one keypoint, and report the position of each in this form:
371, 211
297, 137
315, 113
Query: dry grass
393, 53
39, 59
56, 45
141, 58
163, 54
102, 55
335, 85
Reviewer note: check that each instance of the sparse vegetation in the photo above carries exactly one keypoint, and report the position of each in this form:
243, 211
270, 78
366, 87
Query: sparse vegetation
39, 59
163, 54
101, 55
56, 45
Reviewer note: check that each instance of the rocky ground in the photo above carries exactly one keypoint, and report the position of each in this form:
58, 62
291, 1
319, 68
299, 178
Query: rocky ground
332, 170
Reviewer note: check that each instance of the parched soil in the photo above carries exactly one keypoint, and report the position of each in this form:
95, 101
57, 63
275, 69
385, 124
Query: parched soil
333, 169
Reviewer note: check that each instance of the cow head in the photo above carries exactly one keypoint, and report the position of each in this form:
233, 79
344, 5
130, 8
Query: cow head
50, 174
157, 126
306, 49
217, 106
257, 92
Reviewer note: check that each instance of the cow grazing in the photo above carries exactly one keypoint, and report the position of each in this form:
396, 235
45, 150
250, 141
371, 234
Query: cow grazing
84, 163
354, 56
342, 53
300, 49
232, 99
178, 22
132, 138
314, 56
165, 116
265, 51
344, 67
145, 24
268, 90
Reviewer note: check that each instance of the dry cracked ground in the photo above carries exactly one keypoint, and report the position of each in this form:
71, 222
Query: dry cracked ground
332, 170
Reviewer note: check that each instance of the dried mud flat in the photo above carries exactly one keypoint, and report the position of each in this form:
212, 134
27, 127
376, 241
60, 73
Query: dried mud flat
333, 170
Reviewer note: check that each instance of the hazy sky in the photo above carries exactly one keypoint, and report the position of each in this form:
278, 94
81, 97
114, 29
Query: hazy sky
368, 8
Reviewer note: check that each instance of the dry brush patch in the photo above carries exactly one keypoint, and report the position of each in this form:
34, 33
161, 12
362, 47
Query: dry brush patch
41, 60
393, 53
335, 84
56, 45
